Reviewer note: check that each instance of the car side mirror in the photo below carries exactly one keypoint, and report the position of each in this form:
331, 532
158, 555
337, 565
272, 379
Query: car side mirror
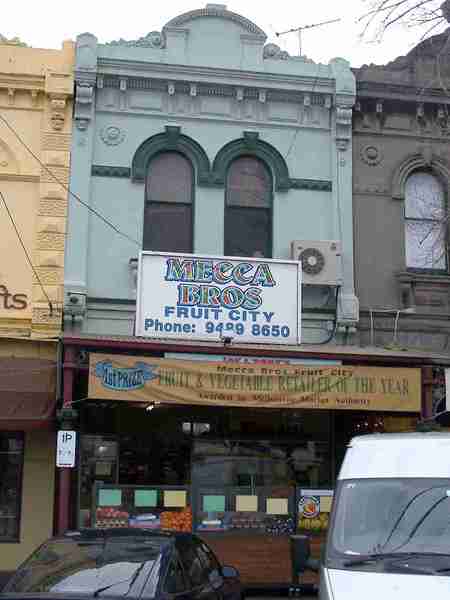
230, 573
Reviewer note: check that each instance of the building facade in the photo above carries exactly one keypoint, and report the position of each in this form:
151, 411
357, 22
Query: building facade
400, 195
165, 96
36, 89
216, 154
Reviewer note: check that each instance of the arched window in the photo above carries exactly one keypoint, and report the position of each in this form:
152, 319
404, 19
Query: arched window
168, 217
425, 222
248, 209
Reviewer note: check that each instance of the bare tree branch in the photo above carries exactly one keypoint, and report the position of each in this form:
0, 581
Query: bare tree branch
383, 14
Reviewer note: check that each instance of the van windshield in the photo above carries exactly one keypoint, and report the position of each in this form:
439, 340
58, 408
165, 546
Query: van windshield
389, 516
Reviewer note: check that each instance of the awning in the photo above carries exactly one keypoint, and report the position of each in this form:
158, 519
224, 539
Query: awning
27, 393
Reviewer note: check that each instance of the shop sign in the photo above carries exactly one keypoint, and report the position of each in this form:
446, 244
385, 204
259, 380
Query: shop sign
12, 301
211, 298
250, 360
66, 449
114, 377
314, 507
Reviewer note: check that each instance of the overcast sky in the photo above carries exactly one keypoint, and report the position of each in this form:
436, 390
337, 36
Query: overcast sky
46, 23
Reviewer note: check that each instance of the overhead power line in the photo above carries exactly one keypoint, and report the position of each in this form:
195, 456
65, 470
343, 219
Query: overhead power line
19, 237
66, 187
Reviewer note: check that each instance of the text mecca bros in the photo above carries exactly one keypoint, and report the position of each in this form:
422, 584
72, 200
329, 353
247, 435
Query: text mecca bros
199, 281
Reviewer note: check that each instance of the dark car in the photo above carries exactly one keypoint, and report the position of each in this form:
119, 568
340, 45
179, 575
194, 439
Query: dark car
124, 562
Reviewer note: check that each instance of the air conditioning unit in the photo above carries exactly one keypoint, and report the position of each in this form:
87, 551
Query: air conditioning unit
321, 261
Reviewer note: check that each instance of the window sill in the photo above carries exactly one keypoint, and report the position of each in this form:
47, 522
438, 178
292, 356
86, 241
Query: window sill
424, 277
425, 291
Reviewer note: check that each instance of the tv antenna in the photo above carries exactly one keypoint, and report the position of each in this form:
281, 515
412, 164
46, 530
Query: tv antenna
300, 29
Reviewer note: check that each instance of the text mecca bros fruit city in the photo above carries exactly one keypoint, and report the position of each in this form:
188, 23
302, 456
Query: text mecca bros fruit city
218, 297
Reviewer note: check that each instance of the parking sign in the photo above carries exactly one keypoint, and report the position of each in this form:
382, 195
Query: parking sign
66, 449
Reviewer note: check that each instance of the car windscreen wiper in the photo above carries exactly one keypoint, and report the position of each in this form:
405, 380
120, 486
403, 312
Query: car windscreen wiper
375, 557
129, 580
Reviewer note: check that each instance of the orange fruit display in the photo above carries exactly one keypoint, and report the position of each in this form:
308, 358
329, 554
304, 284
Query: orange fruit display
177, 520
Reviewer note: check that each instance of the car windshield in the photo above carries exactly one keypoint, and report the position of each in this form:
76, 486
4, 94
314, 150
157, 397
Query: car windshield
92, 567
385, 516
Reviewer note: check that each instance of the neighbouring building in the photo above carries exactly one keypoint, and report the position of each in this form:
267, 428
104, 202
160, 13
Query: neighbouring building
400, 195
193, 144
36, 89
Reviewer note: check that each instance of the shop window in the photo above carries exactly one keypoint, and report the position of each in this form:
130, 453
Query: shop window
168, 215
425, 223
11, 468
248, 209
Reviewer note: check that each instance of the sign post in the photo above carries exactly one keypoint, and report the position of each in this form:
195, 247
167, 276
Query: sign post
208, 298
66, 449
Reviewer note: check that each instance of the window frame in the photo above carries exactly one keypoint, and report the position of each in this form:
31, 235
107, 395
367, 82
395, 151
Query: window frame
445, 207
269, 210
148, 202
16, 539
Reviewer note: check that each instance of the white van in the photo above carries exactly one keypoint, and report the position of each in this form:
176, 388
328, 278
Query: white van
389, 534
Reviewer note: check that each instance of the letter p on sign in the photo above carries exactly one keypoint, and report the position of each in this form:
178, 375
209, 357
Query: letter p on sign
66, 449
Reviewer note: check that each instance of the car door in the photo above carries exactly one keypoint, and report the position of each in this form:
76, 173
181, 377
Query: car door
195, 571
227, 588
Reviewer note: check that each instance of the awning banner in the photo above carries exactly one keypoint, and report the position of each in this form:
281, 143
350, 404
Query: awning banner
144, 379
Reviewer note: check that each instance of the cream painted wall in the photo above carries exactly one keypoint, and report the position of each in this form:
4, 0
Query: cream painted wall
36, 90
37, 499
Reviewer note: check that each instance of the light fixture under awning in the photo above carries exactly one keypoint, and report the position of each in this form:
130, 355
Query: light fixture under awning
27, 393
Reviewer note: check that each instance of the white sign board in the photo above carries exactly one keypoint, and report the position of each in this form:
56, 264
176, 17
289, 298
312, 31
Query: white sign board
249, 300
66, 449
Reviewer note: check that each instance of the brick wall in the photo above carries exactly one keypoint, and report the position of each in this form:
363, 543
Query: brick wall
260, 559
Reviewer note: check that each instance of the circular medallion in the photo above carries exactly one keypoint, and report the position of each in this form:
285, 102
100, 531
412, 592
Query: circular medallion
371, 155
112, 135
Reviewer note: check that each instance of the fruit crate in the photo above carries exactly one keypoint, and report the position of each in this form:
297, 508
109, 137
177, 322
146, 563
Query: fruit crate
106, 518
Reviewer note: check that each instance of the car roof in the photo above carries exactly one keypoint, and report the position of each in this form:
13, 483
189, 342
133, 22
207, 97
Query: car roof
92, 534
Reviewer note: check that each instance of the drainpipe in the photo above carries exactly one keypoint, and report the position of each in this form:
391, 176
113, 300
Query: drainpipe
67, 418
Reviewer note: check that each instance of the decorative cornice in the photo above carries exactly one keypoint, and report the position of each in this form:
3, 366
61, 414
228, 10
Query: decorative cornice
154, 39
110, 171
217, 90
215, 11
406, 92
22, 81
15, 41
274, 52
110, 67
